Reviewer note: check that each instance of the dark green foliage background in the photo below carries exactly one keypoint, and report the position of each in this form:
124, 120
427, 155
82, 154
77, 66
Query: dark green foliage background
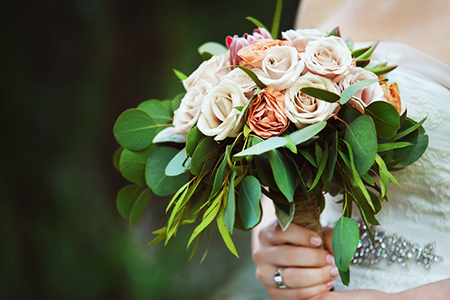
69, 68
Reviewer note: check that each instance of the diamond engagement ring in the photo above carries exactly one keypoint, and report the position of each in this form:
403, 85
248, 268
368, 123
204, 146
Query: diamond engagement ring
278, 280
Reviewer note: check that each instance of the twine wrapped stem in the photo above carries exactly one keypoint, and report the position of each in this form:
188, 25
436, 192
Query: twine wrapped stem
307, 213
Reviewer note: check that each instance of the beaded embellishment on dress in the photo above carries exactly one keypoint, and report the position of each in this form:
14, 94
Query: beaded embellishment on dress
392, 248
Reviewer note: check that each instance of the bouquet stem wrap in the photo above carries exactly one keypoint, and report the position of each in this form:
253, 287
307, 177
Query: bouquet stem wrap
307, 213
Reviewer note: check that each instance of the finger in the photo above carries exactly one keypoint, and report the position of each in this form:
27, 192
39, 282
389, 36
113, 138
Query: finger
296, 278
327, 235
293, 256
297, 294
294, 234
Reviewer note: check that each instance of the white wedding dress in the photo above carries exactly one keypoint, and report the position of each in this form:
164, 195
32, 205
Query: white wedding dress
420, 211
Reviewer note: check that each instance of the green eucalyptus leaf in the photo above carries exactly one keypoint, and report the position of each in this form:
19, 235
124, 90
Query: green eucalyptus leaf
344, 242
321, 94
219, 178
126, 198
201, 158
262, 165
323, 157
257, 23
385, 118
132, 164
381, 70
290, 144
229, 214
408, 127
161, 236
419, 141
246, 130
285, 214
348, 93
284, 173
305, 134
168, 135
177, 101
360, 134
369, 180
276, 19
193, 138
157, 111
332, 157
351, 114
210, 49
168, 106
116, 157
135, 129
309, 157
345, 276
249, 201
245, 109
361, 63
226, 235
263, 147
360, 51
180, 75
390, 146
140, 206
155, 172
179, 164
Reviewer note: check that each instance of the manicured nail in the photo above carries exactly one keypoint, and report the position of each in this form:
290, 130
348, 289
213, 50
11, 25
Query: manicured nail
334, 272
330, 284
315, 241
330, 259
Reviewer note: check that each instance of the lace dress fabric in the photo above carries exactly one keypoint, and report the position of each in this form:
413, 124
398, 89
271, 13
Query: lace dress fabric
420, 210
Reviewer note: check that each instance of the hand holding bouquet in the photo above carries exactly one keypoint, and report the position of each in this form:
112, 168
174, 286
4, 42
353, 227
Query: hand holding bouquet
293, 119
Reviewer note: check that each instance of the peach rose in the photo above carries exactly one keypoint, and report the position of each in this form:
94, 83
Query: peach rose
392, 94
253, 55
266, 115
328, 56
304, 110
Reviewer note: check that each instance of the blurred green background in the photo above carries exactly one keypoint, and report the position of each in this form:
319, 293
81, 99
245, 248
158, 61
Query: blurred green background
69, 68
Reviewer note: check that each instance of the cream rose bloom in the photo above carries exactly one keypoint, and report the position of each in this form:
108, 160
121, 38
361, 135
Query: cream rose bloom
211, 70
219, 117
328, 56
247, 84
301, 37
364, 96
304, 110
189, 111
281, 67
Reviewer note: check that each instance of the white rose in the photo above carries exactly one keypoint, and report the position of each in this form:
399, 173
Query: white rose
190, 108
304, 110
211, 70
328, 56
364, 96
247, 84
281, 67
301, 37
219, 117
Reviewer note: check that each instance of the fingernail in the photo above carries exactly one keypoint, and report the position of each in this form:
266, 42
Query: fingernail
334, 272
315, 241
330, 259
330, 284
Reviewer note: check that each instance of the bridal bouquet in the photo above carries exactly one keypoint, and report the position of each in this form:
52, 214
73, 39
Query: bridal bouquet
291, 118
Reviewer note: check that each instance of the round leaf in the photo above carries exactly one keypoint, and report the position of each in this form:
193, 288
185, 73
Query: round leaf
175, 166
360, 134
116, 158
155, 172
135, 129
140, 206
157, 110
205, 149
249, 202
132, 164
344, 242
385, 118
193, 138
125, 199
284, 173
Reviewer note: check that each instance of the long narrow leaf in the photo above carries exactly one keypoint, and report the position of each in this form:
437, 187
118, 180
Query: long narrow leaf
276, 19
257, 23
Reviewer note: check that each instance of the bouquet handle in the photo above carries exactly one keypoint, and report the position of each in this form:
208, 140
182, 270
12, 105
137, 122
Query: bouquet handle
307, 213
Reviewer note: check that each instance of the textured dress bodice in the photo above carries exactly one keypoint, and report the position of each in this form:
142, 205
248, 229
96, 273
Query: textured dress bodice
420, 210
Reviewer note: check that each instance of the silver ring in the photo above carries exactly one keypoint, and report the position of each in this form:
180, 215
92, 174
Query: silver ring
278, 279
